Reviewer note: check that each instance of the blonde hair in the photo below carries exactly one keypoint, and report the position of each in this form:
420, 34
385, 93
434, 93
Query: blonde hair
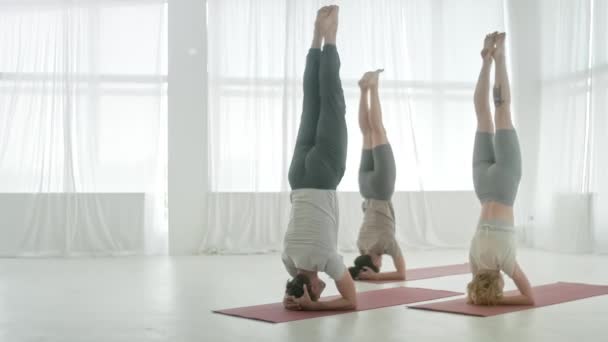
485, 288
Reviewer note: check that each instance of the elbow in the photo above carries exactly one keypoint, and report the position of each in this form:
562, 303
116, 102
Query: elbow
352, 305
401, 276
531, 300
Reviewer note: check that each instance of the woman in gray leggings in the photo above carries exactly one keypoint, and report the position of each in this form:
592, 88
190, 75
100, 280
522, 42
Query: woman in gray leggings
376, 183
317, 166
496, 176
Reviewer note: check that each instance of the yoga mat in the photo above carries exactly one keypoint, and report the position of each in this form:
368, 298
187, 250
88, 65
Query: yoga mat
543, 296
368, 300
428, 272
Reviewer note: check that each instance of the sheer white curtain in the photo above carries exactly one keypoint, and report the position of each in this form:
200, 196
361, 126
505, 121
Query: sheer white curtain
82, 127
571, 187
430, 53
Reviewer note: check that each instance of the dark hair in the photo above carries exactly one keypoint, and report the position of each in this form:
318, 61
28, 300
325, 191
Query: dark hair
362, 261
295, 286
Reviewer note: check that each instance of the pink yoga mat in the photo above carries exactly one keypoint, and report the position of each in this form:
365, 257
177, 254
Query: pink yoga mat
276, 313
428, 272
543, 295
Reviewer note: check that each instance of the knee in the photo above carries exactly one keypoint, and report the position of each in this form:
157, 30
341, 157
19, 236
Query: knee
376, 127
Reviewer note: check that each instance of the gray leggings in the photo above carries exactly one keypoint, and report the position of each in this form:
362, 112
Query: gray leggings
377, 173
319, 158
497, 166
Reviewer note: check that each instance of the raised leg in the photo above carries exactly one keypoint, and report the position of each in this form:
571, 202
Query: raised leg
375, 113
502, 91
311, 105
363, 115
366, 164
331, 142
377, 181
481, 97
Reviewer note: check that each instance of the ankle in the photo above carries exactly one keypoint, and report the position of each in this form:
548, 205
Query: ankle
330, 38
316, 43
500, 59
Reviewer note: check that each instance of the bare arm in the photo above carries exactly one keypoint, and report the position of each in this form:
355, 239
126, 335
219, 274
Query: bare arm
346, 287
399, 274
523, 285
348, 301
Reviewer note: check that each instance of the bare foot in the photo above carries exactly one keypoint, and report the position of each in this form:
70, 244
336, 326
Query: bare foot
373, 78
363, 83
488, 46
329, 24
317, 40
321, 15
370, 79
499, 50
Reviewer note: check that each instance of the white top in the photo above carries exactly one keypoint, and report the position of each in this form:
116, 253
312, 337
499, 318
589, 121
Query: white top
493, 248
311, 240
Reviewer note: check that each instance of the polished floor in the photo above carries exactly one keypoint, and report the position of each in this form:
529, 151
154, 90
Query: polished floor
171, 298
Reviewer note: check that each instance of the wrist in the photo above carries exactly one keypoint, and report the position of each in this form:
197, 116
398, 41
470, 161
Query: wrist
313, 306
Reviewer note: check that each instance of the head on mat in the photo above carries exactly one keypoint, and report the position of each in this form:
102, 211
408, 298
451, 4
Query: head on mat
377, 174
497, 171
316, 169
486, 288
314, 285
372, 262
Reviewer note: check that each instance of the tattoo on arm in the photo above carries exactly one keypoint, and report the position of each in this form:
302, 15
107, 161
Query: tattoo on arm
498, 100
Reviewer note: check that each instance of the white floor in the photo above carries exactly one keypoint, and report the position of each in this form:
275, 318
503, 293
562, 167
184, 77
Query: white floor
170, 299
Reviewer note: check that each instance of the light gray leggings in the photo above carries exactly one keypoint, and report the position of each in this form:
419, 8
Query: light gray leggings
497, 166
377, 173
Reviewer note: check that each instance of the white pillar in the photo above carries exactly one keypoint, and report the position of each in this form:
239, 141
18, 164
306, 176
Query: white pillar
523, 26
187, 125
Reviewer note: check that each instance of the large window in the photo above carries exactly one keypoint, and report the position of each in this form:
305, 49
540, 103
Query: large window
430, 53
83, 89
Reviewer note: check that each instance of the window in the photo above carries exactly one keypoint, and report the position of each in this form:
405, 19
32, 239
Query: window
83, 90
429, 51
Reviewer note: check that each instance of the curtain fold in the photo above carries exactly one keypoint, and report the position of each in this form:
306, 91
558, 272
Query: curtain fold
571, 173
430, 53
83, 147
82, 127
